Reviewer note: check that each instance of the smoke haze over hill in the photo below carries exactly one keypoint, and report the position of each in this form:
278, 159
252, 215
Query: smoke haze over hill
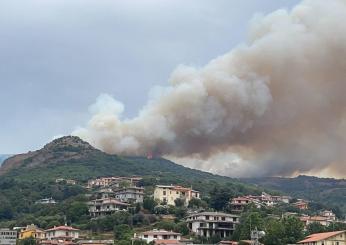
272, 106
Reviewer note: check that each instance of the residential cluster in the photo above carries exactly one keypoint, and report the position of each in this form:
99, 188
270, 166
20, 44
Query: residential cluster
109, 195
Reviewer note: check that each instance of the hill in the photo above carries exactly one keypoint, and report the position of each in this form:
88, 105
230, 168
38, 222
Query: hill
26, 178
328, 191
70, 157
3, 157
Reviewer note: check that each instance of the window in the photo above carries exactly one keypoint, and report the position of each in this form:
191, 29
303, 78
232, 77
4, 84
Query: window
145, 236
175, 236
207, 217
155, 236
223, 218
164, 193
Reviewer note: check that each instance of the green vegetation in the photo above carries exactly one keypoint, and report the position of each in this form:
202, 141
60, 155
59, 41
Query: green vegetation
326, 193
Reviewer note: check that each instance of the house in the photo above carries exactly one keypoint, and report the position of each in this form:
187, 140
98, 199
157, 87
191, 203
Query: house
207, 224
64, 233
67, 181
301, 204
328, 214
238, 204
104, 193
169, 193
152, 235
130, 194
46, 201
106, 206
32, 231
113, 181
8, 237
326, 238
325, 221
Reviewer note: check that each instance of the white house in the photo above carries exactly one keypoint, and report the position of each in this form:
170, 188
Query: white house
152, 235
62, 233
169, 193
130, 194
325, 238
207, 224
106, 206
8, 237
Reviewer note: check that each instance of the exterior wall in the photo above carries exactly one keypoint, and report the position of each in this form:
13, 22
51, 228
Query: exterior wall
130, 194
32, 233
104, 207
339, 239
150, 238
209, 224
170, 193
51, 235
8, 237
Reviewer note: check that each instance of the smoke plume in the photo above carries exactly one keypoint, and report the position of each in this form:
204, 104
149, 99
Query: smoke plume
275, 105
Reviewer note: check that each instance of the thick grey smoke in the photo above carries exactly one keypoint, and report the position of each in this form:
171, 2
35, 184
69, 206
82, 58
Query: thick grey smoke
273, 106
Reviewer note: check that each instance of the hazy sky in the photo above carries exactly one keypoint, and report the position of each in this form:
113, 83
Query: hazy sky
57, 56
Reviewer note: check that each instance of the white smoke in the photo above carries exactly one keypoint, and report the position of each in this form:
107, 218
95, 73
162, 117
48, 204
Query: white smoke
276, 104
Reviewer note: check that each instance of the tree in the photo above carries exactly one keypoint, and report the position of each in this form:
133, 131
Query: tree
315, 227
149, 204
197, 203
182, 228
27, 241
293, 230
165, 225
76, 211
219, 198
275, 233
122, 232
248, 222
179, 202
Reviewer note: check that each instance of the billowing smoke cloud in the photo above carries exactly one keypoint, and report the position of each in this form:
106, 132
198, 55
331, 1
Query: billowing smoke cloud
273, 106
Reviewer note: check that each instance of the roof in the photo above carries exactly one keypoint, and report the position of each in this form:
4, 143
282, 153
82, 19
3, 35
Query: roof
177, 187
166, 241
63, 228
320, 236
214, 214
107, 201
228, 242
159, 232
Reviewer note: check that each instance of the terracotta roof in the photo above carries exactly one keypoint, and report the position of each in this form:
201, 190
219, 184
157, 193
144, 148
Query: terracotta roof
63, 228
228, 243
164, 241
320, 236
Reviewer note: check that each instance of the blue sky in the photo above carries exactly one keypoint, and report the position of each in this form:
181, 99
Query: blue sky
57, 56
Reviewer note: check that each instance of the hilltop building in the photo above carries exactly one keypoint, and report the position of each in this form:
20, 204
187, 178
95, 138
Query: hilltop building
8, 237
130, 194
113, 181
301, 204
326, 238
238, 204
208, 224
169, 193
49, 200
106, 206
153, 235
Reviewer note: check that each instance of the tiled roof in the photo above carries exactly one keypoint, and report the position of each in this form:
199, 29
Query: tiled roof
166, 242
63, 228
320, 236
